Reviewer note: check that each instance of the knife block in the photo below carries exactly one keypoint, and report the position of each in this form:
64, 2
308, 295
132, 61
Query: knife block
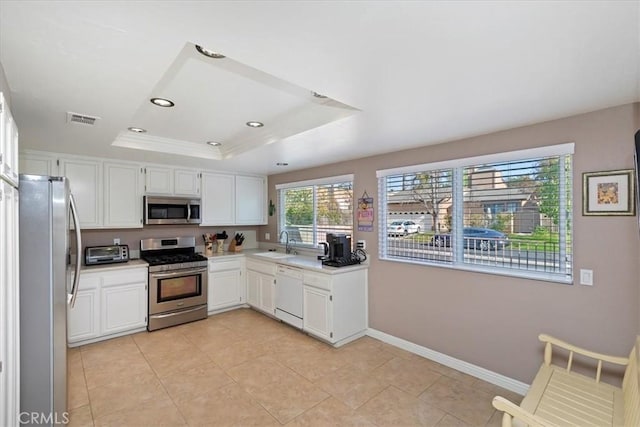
233, 247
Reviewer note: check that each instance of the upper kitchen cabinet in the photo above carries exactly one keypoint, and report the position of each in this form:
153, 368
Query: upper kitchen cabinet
218, 199
38, 164
233, 199
85, 179
123, 195
158, 180
251, 200
186, 182
172, 182
8, 144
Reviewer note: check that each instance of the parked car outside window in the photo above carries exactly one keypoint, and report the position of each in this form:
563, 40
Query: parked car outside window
402, 228
475, 238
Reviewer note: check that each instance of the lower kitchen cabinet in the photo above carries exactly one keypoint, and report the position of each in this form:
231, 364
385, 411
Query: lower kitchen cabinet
261, 288
226, 287
335, 305
110, 302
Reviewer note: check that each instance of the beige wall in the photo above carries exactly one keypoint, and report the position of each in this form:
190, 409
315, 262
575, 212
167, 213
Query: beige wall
493, 321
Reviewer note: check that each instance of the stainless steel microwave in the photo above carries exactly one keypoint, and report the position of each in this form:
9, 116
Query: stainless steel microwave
171, 210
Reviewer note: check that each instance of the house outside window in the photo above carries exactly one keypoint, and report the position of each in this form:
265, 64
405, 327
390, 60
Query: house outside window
308, 210
508, 213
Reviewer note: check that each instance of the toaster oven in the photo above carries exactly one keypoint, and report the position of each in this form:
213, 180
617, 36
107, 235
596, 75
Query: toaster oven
94, 255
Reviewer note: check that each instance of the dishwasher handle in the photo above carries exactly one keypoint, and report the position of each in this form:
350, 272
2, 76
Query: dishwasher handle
284, 270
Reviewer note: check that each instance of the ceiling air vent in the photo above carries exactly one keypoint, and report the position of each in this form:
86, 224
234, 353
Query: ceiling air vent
81, 118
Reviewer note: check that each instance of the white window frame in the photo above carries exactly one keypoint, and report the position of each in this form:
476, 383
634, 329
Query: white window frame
308, 183
457, 165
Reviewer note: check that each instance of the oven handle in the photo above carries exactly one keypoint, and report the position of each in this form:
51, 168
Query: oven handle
175, 313
188, 212
178, 273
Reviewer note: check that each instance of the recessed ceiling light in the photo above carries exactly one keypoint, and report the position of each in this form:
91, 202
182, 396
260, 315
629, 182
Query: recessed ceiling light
162, 102
214, 143
255, 124
317, 95
282, 164
209, 53
137, 130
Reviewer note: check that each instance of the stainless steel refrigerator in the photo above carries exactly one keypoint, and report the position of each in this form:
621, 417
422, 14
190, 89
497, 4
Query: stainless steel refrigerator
46, 211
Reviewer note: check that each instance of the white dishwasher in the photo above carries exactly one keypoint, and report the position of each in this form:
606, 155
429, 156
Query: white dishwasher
289, 295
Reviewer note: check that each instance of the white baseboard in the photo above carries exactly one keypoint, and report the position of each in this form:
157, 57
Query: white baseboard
457, 364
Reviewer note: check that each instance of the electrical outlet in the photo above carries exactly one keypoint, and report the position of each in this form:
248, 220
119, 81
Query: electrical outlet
116, 241
586, 277
267, 236
361, 244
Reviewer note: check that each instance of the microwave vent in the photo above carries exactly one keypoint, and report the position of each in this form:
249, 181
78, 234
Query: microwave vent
81, 118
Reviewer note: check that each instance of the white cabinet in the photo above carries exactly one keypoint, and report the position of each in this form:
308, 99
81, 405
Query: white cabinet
335, 305
172, 181
251, 196
83, 320
9, 306
85, 179
38, 164
110, 302
233, 199
123, 301
186, 182
317, 312
8, 144
226, 287
261, 286
158, 180
122, 195
218, 199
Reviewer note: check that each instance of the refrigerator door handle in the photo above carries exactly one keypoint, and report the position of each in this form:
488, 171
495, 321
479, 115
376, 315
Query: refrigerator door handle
76, 224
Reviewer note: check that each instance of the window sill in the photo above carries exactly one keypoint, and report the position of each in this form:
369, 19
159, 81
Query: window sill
531, 275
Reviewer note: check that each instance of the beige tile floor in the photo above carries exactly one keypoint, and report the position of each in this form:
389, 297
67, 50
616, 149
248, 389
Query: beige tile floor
244, 368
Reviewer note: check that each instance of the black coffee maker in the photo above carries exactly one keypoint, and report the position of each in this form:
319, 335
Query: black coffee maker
337, 247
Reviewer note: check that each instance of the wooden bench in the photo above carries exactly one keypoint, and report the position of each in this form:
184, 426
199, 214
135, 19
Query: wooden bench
560, 397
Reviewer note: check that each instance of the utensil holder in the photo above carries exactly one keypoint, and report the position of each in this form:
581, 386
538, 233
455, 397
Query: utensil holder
208, 249
233, 247
220, 246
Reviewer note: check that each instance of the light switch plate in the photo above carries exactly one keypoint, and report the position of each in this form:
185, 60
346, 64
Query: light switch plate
586, 277
267, 236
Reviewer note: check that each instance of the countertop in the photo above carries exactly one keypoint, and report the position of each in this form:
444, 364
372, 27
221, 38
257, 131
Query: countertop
299, 261
304, 262
132, 263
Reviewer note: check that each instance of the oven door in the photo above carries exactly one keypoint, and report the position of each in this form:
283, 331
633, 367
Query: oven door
176, 290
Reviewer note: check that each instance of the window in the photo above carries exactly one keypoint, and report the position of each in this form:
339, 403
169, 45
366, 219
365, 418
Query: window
310, 209
507, 213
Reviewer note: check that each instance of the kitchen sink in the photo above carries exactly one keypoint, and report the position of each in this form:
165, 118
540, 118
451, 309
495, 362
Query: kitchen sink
274, 255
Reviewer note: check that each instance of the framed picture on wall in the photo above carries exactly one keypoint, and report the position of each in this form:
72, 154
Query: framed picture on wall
610, 193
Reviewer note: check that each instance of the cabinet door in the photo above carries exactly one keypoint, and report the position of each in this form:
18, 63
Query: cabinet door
123, 307
9, 303
218, 199
253, 288
85, 179
186, 182
38, 164
267, 293
251, 205
83, 320
224, 289
8, 144
317, 312
158, 180
123, 195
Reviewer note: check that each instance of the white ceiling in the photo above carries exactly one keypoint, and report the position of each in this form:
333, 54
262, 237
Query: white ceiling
419, 72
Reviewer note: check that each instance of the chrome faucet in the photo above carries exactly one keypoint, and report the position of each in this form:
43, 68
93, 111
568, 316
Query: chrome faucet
287, 248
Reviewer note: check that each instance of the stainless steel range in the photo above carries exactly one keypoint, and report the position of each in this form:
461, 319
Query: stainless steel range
177, 281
